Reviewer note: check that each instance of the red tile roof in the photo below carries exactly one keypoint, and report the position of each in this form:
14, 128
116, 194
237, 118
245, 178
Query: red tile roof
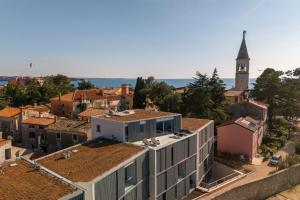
9, 112
90, 94
90, 112
42, 121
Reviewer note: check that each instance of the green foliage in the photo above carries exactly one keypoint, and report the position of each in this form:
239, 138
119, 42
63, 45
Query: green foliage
289, 161
139, 98
270, 145
281, 91
33, 93
160, 93
297, 148
280, 128
83, 85
267, 89
204, 98
3, 100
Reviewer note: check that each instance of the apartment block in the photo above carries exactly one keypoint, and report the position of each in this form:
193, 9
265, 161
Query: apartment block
105, 169
180, 149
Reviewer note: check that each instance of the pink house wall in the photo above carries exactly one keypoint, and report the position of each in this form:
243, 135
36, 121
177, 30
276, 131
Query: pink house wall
236, 140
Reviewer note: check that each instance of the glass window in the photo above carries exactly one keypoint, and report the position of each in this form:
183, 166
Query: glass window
31, 134
74, 137
58, 136
42, 136
126, 134
130, 175
142, 130
159, 127
168, 126
31, 126
98, 128
181, 170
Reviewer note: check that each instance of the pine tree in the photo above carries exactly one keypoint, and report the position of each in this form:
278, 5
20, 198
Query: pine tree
139, 98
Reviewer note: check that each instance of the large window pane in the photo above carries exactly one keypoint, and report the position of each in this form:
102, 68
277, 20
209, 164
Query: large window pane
168, 126
130, 177
159, 127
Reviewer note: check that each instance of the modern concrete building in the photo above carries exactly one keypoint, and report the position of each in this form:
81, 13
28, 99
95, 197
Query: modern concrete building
105, 169
180, 150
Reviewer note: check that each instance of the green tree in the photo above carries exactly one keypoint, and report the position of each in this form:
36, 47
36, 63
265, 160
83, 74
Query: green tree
33, 92
59, 84
15, 95
204, 98
217, 88
139, 97
83, 85
267, 89
3, 100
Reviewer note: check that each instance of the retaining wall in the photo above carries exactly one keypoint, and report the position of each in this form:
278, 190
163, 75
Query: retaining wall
264, 187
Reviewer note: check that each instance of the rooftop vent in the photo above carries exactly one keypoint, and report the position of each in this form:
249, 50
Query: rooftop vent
13, 164
66, 154
124, 113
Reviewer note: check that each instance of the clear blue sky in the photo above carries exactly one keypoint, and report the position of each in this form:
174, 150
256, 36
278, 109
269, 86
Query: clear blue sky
130, 38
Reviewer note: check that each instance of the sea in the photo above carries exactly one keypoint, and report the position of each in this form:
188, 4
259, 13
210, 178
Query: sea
117, 82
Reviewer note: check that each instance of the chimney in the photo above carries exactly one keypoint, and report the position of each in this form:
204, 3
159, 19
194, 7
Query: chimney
125, 89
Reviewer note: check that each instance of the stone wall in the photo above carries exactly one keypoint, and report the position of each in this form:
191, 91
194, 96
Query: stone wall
265, 187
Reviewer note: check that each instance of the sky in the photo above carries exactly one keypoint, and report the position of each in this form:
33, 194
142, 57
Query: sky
161, 38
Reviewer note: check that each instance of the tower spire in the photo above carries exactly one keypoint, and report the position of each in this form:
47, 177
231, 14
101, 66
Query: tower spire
243, 52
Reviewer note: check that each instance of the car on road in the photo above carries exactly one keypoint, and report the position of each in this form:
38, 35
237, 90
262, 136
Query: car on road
275, 159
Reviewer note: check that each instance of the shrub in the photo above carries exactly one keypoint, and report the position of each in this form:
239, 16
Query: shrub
289, 161
297, 148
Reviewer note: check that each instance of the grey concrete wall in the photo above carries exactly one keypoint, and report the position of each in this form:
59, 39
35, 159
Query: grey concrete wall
265, 187
112, 186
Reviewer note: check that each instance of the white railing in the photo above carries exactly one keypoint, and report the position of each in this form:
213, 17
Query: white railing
219, 181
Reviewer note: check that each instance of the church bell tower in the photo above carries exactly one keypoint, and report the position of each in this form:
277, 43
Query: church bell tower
242, 67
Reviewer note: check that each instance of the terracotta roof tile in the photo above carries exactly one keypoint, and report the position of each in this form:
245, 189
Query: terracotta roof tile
68, 125
9, 112
42, 121
233, 93
90, 112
